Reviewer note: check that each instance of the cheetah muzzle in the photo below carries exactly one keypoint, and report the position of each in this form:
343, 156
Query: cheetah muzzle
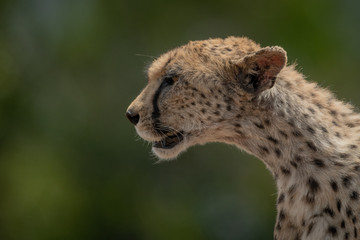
234, 91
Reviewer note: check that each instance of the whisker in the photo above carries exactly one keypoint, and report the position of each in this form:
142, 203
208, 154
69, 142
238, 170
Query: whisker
143, 55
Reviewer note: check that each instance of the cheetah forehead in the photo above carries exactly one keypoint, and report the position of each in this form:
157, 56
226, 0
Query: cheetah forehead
200, 52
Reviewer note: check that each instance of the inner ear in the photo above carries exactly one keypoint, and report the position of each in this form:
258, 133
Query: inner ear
258, 71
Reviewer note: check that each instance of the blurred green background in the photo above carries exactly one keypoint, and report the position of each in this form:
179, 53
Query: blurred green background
71, 165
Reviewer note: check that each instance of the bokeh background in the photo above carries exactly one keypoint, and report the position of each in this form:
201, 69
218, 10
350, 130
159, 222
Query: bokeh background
72, 167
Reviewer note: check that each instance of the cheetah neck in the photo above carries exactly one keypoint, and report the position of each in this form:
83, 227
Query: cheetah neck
299, 124
308, 140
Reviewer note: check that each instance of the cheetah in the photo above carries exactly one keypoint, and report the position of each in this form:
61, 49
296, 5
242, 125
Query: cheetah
235, 91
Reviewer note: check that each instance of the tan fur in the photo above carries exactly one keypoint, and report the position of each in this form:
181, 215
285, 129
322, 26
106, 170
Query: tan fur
232, 90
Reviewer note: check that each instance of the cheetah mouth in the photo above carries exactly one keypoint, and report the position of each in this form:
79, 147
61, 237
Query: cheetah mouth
169, 142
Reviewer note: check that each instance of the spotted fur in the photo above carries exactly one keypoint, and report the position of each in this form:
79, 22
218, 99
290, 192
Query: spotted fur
232, 90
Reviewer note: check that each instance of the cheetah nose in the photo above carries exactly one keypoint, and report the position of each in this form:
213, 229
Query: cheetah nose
132, 116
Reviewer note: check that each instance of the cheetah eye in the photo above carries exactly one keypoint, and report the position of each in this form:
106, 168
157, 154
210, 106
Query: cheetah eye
168, 81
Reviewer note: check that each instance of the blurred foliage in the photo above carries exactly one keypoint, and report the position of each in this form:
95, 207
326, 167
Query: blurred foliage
71, 166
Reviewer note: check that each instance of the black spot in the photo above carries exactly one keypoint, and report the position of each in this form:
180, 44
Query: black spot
339, 164
193, 103
297, 237
217, 113
357, 167
237, 125
314, 187
221, 119
278, 227
276, 176
346, 236
353, 146
311, 110
264, 149
324, 129
277, 152
267, 122
319, 105
346, 181
303, 223
335, 123
281, 198
294, 164
319, 162
354, 195
333, 112
194, 89
281, 216
203, 110
342, 224
208, 104
338, 204
311, 146
285, 170
334, 186
310, 227
354, 220
298, 158
329, 211
332, 230
337, 134
259, 125
344, 155
349, 212
297, 133
275, 141
239, 132
283, 134
310, 130
167, 62
292, 189
355, 232
218, 105
228, 107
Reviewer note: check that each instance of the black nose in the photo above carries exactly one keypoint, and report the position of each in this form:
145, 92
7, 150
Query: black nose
133, 117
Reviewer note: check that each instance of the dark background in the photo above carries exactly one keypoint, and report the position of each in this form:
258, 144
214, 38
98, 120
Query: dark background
71, 165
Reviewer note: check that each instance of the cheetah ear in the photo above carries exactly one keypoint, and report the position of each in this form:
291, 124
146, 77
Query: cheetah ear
257, 71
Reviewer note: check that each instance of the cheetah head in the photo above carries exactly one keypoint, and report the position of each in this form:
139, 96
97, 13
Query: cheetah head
196, 90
